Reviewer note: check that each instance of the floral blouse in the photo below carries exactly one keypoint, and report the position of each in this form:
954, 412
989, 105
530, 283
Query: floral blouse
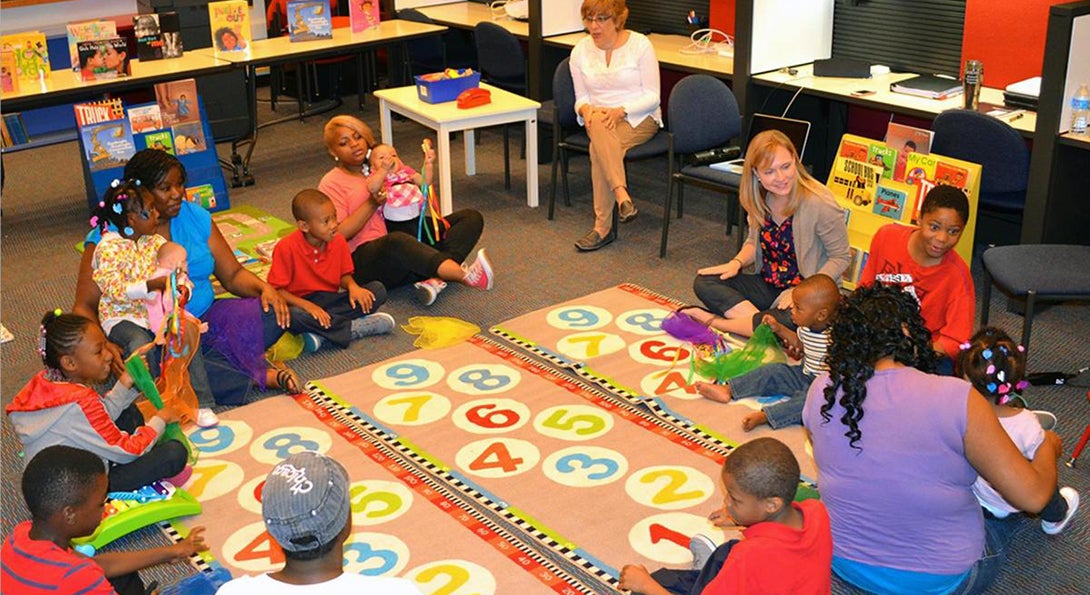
780, 269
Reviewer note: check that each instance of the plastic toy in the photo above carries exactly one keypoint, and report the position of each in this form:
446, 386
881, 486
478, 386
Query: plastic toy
122, 517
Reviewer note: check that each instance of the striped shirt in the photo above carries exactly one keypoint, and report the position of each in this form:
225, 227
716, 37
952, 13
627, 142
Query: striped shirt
814, 346
33, 566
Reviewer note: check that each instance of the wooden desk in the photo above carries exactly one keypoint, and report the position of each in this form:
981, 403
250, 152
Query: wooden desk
841, 89
668, 51
281, 50
445, 118
466, 15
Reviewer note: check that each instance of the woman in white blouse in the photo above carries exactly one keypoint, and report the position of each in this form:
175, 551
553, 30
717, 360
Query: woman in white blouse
616, 79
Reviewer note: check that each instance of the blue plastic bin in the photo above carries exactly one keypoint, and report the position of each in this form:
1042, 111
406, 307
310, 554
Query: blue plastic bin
445, 89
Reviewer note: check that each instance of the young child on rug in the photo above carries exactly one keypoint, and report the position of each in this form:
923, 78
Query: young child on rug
171, 258
306, 509
401, 185
310, 266
787, 545
125, 270
996, 368
58, 406
814, 302
922, 260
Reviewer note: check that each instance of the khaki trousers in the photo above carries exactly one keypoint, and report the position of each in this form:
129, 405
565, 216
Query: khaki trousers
607, 150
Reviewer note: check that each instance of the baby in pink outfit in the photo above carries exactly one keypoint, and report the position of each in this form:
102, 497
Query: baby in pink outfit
404, 198
170, 258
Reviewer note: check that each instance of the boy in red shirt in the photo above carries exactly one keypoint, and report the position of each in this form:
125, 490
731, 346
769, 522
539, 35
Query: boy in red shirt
310, 266
922, 261
65, 490
788, 546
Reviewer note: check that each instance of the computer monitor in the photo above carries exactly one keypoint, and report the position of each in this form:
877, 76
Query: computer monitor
797, 131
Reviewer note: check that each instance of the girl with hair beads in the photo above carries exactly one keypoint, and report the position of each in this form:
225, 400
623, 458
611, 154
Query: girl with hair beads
58, 406
996, 367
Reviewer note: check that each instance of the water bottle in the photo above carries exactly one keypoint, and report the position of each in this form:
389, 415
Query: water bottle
974, 79
1080, 110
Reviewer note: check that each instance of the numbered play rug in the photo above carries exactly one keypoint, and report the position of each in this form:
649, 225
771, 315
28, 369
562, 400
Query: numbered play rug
252, 235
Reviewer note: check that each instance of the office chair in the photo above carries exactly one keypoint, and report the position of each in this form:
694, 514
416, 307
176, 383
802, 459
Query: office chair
999, 149
703, 114
502, 64
570, 136
435, 53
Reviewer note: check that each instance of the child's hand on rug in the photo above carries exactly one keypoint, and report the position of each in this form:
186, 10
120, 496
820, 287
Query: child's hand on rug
721, 518
635, 577
191, 545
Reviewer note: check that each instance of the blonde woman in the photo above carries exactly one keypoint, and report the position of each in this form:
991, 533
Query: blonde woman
796, 230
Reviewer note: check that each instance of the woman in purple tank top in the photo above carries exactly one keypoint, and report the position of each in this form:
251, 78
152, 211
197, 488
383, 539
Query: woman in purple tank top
898, 450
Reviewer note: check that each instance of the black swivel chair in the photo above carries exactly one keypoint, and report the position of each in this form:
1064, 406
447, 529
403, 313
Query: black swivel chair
502, 64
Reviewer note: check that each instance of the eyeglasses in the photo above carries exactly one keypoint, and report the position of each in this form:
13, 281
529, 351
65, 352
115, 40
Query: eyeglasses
600, 19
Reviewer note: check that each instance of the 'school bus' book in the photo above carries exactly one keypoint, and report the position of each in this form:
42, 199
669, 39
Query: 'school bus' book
87, 31
229, 21
309, 20
162, 140
31, 55
178, 101
906, 139
145, 118
149, 38
363, 14
104, 131
104, 59
856, 181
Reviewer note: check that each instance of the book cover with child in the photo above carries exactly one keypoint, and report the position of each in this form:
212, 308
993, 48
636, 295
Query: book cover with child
149, 38
363, 14
309, 20
906, 140
87, 31
178, 101
229, 22
104, 59
9, 82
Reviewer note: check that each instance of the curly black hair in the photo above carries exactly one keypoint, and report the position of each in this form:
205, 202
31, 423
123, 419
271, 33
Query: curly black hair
121, 199
994, 364
59, 476
151, 166
873, 322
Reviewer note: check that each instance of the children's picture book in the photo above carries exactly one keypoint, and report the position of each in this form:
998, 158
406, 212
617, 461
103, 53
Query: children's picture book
9, 82
363, 14
31, 54
309, 20
880, 155
87, 31
104, 59
855, 181
905, 140
188, 138
203, 195
229, 21
105, 134
161, 139
149, 38
145, 118
890, 199
170, 27
951, 175
853, 150
178, 101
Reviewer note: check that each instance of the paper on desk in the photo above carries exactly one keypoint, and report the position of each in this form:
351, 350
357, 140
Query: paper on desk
1030, 86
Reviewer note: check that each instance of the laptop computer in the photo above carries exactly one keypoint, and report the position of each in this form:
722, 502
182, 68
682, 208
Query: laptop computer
797, 131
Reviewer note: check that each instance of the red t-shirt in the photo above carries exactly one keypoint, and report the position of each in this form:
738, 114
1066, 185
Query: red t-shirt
775, 559
303, 269
945, 290
33, 567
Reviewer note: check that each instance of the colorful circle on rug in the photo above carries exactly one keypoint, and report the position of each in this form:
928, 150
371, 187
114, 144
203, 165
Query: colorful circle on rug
253, 550
375, 554
669, 487
213, 478
416, 408
585, 466
671, 383
497, 457
408, 373
484, 379
575, 423
665, 537
491, 416
276, 445
578, 318
645, 321
453, 577
591, 344
660, 351
229, 435
376, 501
249, 495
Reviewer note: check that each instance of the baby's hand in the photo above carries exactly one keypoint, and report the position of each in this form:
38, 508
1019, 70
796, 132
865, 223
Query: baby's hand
429, 153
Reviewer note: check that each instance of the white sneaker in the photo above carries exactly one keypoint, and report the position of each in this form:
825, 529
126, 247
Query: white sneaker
1072, 497
428, 290
479, 274
702, 548
379, 323
207, 419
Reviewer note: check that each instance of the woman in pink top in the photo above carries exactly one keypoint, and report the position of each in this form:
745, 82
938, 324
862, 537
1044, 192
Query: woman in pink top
394, 258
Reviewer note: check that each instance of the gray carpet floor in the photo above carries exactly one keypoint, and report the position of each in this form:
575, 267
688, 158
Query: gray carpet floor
44, 215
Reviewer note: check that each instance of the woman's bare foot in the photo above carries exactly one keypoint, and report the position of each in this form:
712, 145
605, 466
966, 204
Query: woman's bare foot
715, 392
753, 420
698, 314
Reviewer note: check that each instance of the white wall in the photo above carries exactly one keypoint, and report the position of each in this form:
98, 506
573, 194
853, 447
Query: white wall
52, 17
790, 32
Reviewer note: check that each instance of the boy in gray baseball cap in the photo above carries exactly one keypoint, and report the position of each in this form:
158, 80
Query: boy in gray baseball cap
306, 510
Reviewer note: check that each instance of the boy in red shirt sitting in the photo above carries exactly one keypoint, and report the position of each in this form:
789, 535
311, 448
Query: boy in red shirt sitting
310, 266
922, 260
788, 546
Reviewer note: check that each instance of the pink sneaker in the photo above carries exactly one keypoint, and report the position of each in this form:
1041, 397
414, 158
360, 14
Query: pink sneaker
428, 290
182, 477
479, 274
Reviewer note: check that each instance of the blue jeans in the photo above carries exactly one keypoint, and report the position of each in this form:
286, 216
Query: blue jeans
341, 314
130, 337
775, 379
719, 295
997, 537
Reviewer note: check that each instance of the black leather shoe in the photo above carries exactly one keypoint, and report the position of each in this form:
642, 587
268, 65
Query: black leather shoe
592, 241
627, 211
